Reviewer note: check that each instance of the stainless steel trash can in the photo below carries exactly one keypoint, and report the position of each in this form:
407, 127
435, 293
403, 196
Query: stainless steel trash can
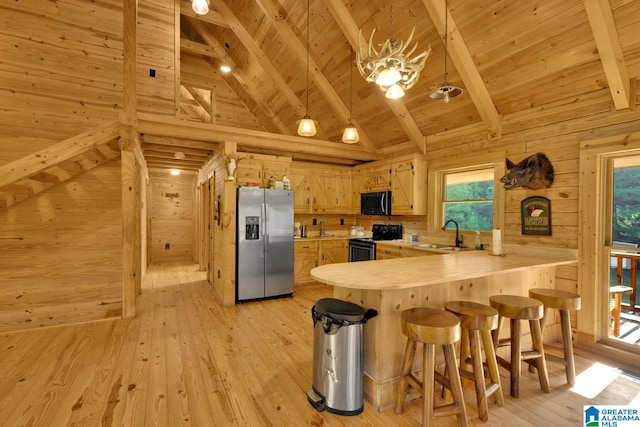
338, 361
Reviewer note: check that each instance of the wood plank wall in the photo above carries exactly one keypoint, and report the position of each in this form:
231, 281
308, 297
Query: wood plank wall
61, 75
61, 253
172, 230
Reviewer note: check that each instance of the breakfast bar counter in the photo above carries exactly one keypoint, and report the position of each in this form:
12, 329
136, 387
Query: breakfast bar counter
394, 285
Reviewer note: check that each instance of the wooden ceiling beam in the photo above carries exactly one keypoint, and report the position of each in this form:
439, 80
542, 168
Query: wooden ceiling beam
178, 144
351, 32
213, 17
299, 50
247, 40
605, 34
174, 128
189, 46
37, 162
206, 104
240, 77
160, 148
199, 110
459, 53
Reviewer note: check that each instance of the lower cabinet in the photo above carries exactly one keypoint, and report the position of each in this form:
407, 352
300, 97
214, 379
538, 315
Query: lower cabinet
384, 251
305, 259
312, 253
333, 251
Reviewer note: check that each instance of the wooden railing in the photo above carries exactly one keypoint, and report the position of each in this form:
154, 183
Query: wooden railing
633, 258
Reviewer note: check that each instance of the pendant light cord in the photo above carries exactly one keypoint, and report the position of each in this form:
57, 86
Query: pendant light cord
308, 25
350, 81
446, 35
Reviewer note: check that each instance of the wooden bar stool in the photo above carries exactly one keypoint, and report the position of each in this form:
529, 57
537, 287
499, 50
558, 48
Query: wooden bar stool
431, 327
617, 292
563, 302
518, 308
477, 321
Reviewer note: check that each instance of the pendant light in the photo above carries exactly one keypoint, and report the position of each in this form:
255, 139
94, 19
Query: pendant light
445, 89
350, 135
307, 126
201, 7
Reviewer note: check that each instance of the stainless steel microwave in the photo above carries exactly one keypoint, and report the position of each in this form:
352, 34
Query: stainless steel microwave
376, 203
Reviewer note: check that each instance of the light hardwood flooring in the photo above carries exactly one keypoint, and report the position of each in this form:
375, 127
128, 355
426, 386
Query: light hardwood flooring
186, 360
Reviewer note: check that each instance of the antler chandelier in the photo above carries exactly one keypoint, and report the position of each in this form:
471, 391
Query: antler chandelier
392, 67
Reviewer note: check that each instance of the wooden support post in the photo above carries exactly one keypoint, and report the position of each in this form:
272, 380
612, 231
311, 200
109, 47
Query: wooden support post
129, 143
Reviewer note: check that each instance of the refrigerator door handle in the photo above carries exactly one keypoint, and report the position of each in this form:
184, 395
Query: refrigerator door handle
265, 227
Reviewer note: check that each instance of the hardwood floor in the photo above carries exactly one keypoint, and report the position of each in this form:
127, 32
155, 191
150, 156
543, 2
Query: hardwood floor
186, 360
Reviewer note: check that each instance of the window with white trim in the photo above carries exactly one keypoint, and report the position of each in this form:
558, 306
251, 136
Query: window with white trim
468, 197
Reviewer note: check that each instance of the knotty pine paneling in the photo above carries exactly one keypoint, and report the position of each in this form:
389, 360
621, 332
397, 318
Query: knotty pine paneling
62, 253
172, 213
61, 71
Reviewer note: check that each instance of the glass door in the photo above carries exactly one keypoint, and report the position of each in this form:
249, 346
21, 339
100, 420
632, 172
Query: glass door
622, 250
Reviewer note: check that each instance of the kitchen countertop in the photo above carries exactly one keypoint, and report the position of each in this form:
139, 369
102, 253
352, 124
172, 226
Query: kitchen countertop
405, 273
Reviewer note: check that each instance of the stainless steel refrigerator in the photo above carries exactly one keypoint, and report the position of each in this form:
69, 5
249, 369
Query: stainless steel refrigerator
264, 243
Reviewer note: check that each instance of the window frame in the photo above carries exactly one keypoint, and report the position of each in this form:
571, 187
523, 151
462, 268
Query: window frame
438, 168
444, 201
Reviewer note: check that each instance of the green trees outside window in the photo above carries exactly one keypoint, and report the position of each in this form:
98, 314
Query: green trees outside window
468, 199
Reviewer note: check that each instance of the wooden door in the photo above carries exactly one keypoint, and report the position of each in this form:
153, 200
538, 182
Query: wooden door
249, 171
275, 170
377, 178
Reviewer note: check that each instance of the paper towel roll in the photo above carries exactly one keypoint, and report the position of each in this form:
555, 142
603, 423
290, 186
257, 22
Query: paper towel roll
497, 241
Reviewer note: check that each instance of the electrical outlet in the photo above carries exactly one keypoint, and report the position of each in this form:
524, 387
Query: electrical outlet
341, 221
315, 222
152, 72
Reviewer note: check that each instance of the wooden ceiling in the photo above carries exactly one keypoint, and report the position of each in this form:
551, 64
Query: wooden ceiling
509, 57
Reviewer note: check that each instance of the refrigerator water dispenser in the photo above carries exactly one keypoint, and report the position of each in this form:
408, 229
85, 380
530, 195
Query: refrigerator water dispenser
252, 227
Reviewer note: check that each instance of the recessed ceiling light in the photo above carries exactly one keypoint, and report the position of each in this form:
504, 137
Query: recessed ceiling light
175, 172
179, 155
225, 68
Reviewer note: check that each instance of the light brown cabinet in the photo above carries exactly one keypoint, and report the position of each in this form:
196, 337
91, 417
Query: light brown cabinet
409, 187
408, 252
334, 251
309, 254
384, 251
405, 176
259, 169
304, 260
321, 189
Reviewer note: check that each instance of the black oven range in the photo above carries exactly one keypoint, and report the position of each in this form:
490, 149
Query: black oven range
364, 249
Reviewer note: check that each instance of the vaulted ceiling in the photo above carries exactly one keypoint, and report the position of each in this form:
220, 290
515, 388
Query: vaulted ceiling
509, 56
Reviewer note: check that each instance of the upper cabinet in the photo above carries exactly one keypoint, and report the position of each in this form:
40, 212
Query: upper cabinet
259, 169
321, 189
409, 187
405, 176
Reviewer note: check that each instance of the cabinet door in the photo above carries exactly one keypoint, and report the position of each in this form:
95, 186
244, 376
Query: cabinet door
403, 185
275, 170
249, 171
377, 178
343, 191
324, 190
388, 251
301, 182
305, 259
356, 189
332, 251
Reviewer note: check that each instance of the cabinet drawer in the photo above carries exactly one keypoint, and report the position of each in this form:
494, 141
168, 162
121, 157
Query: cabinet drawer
305, 246
388, 251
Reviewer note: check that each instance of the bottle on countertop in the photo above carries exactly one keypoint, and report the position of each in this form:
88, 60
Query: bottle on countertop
478, 245
285, 183
272, 183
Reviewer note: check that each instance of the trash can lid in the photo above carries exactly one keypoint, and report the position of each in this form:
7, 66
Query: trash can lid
339, 310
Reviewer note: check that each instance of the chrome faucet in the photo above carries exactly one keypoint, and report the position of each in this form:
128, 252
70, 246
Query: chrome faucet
458, 239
